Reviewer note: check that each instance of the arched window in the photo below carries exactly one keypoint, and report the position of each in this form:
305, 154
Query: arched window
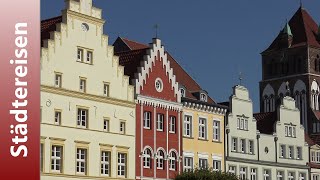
173, 161
147, 158
183, 92
160, 159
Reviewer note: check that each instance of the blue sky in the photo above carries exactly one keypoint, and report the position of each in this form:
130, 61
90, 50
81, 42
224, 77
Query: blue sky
213, 40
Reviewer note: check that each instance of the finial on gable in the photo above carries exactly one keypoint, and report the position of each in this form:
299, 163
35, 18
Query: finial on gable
83, 7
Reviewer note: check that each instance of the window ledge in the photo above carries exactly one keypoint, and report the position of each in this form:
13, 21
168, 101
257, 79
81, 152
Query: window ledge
201, 139
216, 141
147, 128
188, 137
172, 132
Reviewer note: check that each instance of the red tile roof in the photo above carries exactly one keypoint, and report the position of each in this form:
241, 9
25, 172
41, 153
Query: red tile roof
314, 165
315, 138
309, 140
136, 55
48, 26
266, 121
304, 30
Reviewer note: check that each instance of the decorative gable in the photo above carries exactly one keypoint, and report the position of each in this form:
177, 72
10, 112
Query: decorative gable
155, 53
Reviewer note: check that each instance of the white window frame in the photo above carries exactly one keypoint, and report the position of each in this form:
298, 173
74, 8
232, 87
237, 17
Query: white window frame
318, 156
172, 126
302, 176
105, 163
280, 175
187, 126
83, 85
234, 145
243, 173
253, 174
203, 97
232, 169
216, 165
58, 80
122, 165
299, 152
291, 175
82, 118
202, 128
216, 130
160, 159
89, 57
106, 125
251, 146
147, 120
172, 161
160, 122
283, 151
290, 152
147, 154
188, 163
290, 131
243, 145
266, 174
56, 158
106, 89
313, 156
122, 128
57, 117
81, 161
202, 161
80, 54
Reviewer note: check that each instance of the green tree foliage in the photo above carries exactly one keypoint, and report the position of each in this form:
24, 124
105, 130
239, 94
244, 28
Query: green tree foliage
205, 174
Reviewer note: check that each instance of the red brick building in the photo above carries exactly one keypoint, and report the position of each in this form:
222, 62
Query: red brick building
158, 109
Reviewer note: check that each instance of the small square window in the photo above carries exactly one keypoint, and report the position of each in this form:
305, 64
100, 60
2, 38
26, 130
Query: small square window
122, 127
106, 125
89, 56
58, 80
80, 55
83, 85
57, 117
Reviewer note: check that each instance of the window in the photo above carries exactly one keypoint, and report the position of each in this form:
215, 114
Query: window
302, 176
81, 161
187, 126
89, 56
172, 161
105, 163
251, 147
232, 170
82, 87
147, 120
56, 158
283, 151
243, 145
315, 177
203, 97
203, 163
122, 164
290, 131
216, 165
290, 154
106, 89
253, 174
147, 158
58, 80
243, 173
318, 157
106, 125
80, 55
82, 118
299, 153
290, 175
313, 156
160, 118
234, 144
122, 127
159, 85
280, 175
183, 92
202, 128
266, 174
41, 156
172, 124
242, 124
188, 164
160, 159
216, 130
57, 117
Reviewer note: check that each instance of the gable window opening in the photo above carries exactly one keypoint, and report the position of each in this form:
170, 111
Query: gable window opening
203, 97
160, 119
172, 124
105, 163
57, 117
290, 131
183, 92
242, 124
147, 120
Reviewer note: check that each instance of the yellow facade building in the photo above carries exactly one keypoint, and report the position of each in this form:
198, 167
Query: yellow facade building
87, 104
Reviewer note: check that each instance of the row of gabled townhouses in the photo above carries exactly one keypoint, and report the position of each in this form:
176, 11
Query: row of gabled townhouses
130, 111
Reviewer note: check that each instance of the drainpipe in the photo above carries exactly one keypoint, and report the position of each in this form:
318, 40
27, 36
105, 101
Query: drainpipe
258, 146
226, 142
309, 169
276, 146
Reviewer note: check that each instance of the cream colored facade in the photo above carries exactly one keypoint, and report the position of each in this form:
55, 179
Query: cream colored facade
265, 156
209, 149
87, 104
315, 162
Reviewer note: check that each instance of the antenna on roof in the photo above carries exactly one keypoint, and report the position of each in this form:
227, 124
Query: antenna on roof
156, 27
240, 78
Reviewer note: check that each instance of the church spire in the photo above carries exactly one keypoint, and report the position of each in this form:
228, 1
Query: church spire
287, 29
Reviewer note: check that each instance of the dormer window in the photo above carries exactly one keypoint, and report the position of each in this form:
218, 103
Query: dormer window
203, 97
183, 92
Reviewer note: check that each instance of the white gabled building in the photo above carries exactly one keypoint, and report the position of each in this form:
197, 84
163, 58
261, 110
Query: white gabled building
265, 146
87, 104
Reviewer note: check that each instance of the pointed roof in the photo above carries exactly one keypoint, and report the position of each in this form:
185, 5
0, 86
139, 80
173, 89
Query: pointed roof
303, 29
287, 30
133, 52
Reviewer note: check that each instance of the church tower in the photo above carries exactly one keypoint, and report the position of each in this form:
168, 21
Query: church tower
291, 66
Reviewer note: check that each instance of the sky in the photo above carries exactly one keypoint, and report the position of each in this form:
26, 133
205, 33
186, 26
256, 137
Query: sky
213, 40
